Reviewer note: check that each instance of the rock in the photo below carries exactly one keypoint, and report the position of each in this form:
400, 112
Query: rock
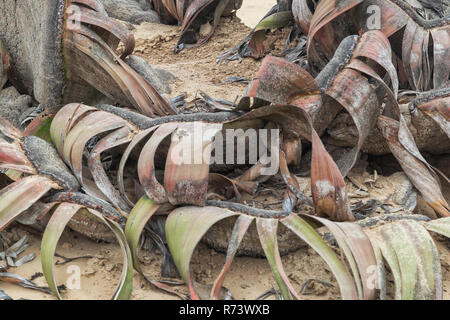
30, 30
131, 11
47, 161
158, 78
4, 65
428, 136
219, 236
13, 105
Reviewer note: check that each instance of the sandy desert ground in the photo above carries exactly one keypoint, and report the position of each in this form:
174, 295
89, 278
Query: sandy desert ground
249, 277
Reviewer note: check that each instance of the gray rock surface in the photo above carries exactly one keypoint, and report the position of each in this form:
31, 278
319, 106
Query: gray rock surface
31, 32
133, 11
158, 78
13, 105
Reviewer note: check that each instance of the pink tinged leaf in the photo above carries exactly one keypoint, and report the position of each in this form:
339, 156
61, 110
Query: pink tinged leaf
441, 43
171, 6
114, 139
87, 128
359, 253
302, 14
136, 89
188, 161
12, 155
404, 135
184, 229
93, 4
21, 195
123, 161
267, 231
194, 9
364, 68
111, 26
326, 11
419, 174
354, 92
413, 55
439, 111
391, 18
146, 163
283, 82
375, 46
7, 129
161, 106
304, 230
365, 257
240, 229
64, 120
142, 87
328, 186
180, 9
292, 146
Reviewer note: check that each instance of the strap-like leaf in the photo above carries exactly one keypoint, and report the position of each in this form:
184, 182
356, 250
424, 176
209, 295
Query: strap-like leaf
184, 229
114, 139
302, 14
64, 121
146, 165
142, 212
420, 175
136, 140
321, 30
12, 155
327, 184
302, 229
240, 229
114, 27
413, 260
188, 161
55, 227
21, 195
138, 218
267, 231
82, 132
359, 253
274, 21
441, 226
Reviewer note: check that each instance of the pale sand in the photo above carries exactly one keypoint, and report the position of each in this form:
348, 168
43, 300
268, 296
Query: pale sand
253, 10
